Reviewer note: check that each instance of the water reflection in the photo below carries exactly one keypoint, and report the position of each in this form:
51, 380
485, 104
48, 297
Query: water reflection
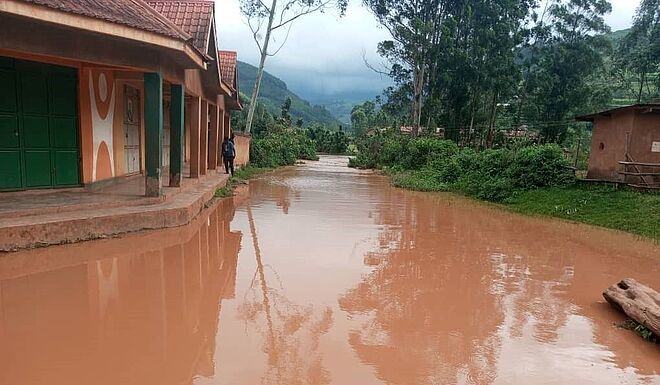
322, 275
463, 294
142, 310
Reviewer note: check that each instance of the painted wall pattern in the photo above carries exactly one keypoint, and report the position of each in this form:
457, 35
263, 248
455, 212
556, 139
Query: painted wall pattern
102, 101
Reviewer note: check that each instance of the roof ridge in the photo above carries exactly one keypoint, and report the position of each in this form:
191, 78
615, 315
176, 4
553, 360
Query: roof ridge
162, 19
181, 1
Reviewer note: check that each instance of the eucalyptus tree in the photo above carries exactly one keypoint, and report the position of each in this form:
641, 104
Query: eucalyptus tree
278, 16
639, 51
565, 79
414, 26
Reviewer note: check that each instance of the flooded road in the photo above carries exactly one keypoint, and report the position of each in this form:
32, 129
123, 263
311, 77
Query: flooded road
320, 274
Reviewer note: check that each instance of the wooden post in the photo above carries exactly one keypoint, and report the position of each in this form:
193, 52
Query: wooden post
577, 151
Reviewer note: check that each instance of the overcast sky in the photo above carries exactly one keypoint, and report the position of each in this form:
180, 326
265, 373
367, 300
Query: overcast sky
323, 55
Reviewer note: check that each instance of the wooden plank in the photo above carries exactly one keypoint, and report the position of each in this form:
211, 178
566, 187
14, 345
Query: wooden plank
639, 164
637, 301
644, 186
639, 173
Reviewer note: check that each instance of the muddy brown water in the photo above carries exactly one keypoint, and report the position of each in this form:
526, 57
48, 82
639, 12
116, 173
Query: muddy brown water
319, 274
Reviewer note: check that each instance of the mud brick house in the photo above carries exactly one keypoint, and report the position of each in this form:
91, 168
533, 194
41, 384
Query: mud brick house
95, 91
625, 145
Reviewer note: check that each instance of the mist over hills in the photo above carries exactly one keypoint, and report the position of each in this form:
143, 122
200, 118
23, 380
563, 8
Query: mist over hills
274, 92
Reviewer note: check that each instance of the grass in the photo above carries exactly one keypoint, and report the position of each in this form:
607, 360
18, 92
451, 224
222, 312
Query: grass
640, 330
620, 209
600, 205
416, 180
240, 176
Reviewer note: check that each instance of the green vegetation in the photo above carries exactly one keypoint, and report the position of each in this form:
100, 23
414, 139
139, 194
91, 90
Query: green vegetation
640, 330
240, 176
276, 141
603, 205
281, 148
327, 141
433, 164
482, 68
273, 95
527, 178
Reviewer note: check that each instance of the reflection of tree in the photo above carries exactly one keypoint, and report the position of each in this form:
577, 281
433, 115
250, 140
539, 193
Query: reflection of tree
445, 277
291, 332
429, 318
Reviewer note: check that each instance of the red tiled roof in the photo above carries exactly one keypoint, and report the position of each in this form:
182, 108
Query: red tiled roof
227, 61
133, 13
193, 16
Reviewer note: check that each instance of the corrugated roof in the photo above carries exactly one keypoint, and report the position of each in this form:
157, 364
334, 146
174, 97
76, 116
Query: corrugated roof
227, 61
647, 106
133, 13
193, 16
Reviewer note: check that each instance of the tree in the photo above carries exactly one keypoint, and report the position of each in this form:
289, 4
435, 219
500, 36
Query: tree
285, 117
571, 59
277, 17
414, 26
639, 51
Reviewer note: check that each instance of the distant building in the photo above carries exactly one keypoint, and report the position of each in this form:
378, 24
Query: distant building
625, 145
408, 130
521, 132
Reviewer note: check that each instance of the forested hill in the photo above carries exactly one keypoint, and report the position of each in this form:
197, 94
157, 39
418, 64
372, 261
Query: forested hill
274, 92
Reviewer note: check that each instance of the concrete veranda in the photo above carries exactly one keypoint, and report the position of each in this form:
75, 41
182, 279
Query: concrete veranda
41, 218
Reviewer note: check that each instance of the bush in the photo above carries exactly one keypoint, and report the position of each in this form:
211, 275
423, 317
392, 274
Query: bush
281, 148
421, 151
328, 141
436, 164
540, 166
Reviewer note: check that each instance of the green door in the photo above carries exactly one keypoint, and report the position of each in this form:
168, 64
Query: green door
39, 146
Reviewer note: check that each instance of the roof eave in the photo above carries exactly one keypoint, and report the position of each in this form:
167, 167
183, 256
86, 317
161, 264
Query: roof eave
226, 90
100, 26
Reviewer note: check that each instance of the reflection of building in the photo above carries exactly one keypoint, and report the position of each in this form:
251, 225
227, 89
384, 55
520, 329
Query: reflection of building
146, 312
141, 92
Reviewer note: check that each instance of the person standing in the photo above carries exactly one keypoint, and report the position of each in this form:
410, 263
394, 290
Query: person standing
228, 154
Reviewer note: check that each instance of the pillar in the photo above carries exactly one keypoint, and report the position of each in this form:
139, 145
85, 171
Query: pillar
153, 137
221, 134
176, 135
227, 124
213, 137
195, 130
204, 138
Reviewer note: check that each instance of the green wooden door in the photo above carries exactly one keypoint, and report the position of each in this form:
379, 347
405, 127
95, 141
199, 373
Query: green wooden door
11, 166
39, 141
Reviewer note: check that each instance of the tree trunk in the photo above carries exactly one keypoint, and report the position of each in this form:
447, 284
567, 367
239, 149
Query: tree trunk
260, 71
418, 80
491, 126
639, 302
641, 87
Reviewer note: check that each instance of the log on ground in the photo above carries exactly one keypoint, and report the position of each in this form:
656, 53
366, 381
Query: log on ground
641, 303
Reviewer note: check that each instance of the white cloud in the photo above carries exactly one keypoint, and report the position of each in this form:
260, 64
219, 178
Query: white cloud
323, 54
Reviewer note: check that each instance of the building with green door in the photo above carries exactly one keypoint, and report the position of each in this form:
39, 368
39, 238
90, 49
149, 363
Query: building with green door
94, 92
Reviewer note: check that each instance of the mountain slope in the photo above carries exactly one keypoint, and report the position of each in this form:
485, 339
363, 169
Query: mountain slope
274, 92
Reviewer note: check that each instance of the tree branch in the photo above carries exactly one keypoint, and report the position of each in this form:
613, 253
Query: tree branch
376, 70
302, 13
284, 42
